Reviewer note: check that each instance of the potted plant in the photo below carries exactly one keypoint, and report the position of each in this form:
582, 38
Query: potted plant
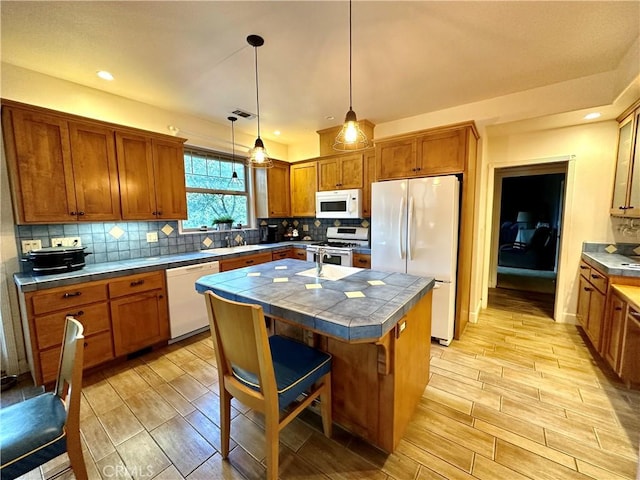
223, 223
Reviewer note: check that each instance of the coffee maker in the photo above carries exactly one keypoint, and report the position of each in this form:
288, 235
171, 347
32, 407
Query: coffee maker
269, 234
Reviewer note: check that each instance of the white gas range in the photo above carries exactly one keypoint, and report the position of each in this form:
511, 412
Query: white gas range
338, 248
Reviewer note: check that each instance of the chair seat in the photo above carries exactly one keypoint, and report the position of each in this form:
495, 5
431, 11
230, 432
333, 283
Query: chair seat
297, 367
32, 432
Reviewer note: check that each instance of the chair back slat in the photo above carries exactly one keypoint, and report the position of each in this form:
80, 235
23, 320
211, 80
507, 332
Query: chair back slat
240, 338
71, 359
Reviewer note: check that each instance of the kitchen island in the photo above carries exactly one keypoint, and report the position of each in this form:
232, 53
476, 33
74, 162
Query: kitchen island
377, 326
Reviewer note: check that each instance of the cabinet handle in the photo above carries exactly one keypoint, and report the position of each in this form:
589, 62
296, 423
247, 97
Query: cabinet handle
248, 261
74, 294
136, 283
86, 344
631, 206
587, 289
584, 267
617, 309
160, 296
598, 277
157, 213
73, 213
80, 213
79, 313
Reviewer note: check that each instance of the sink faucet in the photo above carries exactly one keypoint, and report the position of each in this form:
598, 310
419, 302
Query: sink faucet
320, 255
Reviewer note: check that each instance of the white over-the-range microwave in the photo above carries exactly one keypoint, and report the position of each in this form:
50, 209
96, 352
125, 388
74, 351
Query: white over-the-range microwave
339, 204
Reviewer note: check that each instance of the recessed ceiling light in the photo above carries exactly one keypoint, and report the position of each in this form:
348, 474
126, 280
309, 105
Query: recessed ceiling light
277, 132
103, 74
329, 117
592, 115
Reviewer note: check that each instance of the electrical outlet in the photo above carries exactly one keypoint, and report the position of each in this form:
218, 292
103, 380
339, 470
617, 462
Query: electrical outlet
66, 242
28, 245
152, 237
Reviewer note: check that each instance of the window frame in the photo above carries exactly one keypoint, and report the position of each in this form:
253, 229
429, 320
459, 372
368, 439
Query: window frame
240, 163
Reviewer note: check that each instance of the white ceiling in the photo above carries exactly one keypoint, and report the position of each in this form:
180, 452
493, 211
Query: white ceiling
408, 57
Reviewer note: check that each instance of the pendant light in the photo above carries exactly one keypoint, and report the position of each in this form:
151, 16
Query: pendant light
258, 156
350, 138
235, 180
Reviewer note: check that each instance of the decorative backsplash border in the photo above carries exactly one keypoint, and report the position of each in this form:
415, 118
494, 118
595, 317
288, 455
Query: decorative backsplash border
617, 248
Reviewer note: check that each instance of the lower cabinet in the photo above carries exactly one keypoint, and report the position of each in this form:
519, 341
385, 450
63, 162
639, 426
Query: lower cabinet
119, 316
591, 302
299, 254
245, 261
361, 260
622, 332
282, 253
139, 312
614, 329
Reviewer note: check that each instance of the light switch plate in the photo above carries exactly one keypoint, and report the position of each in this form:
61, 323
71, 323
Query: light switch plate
66, 242
28, 245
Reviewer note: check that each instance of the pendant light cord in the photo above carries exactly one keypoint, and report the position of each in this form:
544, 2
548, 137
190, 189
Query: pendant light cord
255, 49
350, 55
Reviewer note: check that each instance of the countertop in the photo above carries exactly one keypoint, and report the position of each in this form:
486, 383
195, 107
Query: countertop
630, 293
613, 264
380, 299
27, 282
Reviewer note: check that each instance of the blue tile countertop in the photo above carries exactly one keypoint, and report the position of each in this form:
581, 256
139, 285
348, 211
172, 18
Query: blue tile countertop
27, 282
320, 304
613, 264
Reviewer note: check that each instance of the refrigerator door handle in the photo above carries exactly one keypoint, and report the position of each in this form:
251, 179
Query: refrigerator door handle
400, 217
409, 229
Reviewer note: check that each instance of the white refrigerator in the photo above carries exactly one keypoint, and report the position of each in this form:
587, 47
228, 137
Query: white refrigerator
414, 229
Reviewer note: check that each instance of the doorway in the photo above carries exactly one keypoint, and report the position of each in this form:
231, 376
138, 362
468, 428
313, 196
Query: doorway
528, 213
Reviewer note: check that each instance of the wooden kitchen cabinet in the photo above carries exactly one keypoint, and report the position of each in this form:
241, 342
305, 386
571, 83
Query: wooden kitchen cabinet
44, 314
623, 332
341, 172
434, 152
139, 311
60, 170
304, 185
362, 260
282, 253
299, 253
613, 330
591, 302
152, 180
369, 166
273, 197
245, 261
626, 188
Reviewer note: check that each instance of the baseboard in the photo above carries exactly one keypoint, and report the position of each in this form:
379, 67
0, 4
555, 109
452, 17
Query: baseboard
474, 314
567, 317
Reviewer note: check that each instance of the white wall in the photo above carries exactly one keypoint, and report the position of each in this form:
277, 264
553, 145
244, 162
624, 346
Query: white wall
589, 188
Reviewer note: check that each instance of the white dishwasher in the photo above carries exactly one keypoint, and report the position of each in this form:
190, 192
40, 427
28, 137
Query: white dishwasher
187, 310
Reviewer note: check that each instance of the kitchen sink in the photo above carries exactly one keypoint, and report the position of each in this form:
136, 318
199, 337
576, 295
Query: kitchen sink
228, 250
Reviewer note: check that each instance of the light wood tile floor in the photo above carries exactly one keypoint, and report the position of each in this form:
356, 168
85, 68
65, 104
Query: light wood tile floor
518, 397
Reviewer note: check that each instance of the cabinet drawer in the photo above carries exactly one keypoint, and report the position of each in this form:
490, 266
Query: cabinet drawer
279, 255
136, 283
50, 328
598, 280
585, 270
67, 297
245, 261
97, 349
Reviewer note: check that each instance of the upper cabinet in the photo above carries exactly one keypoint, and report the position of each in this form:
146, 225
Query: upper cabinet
304, 185
340, 172
433, 152
273, 199
152, 181
64, 168
626, 188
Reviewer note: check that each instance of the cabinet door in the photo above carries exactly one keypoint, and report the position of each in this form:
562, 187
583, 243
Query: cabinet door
95, 172
441, 153
369, 168
613, 332
299, 254
135, 172
351, 171
39, 159
619, 202
245, 261
584, 297
278, 191
634, 182
596, 313
328, 174
139, 321
630, 360
361, 260
396, 159
304, 185
168, 171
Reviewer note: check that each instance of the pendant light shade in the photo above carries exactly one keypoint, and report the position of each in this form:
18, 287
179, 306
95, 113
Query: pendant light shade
350, 138
235, 180
258, 156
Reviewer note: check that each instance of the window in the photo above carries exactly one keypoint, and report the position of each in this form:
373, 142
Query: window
210, 192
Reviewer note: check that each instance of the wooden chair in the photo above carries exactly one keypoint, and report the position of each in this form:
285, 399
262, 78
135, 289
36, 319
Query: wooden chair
268, 374
41, 428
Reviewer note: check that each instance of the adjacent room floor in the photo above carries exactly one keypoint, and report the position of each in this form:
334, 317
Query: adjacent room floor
520, 396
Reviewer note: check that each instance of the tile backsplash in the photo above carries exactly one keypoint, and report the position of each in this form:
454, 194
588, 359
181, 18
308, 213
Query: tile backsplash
115, 241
